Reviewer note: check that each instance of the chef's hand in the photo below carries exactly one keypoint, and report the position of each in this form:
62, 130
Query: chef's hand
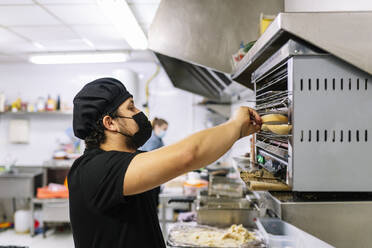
248, 119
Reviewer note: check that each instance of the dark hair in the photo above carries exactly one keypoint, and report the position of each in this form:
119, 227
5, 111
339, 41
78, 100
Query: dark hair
158, 122
97, 136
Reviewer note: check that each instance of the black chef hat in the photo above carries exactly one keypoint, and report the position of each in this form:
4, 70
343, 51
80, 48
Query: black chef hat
96, 98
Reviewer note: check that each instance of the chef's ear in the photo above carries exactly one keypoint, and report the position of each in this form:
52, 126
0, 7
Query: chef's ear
108, 123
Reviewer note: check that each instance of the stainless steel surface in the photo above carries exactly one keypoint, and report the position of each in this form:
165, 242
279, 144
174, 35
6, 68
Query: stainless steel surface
56, 211
344, 34
343, 224
20, 184
53, 210
324, 110
21, 172
199, 80
194, 51
329, 107
227, 217
289, 49
207, 32
210, 202
326, 140
225, 211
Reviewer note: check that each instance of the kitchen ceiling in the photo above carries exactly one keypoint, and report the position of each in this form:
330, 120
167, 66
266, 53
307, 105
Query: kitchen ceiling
38, 26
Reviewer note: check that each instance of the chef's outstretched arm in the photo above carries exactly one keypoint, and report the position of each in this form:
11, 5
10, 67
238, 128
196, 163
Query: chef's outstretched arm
150, 169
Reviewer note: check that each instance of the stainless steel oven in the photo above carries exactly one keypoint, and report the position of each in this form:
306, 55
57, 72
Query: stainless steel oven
329, 105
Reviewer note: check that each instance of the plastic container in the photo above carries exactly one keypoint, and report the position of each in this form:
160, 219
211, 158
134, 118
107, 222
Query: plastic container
22, 221
194, 188
280, 234
277, 233
223, 186
52, 191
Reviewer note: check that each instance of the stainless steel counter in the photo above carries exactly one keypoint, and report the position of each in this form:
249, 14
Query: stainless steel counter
54, 210
21, 183
343, 224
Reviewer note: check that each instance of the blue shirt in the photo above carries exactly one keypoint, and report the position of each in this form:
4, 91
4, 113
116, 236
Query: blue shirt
153, 143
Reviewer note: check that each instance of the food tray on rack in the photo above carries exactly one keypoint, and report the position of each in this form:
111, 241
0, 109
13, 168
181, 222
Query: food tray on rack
262, 179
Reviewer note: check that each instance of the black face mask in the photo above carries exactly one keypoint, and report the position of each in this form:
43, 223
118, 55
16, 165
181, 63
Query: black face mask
144, 129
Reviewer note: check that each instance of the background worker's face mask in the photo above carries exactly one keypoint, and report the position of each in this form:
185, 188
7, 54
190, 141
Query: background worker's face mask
144, 129
162, 133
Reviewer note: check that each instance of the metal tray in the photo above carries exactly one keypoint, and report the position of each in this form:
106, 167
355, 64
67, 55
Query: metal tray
193, 227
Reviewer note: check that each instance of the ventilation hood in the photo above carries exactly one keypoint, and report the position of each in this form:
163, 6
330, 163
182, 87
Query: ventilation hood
194, 41
214, 85
201, 36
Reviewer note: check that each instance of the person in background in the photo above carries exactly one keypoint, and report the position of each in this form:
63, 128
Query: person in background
159, 129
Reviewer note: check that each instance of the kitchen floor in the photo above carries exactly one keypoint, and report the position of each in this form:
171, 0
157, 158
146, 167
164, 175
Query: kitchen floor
53, 239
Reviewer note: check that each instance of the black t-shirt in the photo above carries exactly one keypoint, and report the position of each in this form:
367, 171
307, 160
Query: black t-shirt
101, 217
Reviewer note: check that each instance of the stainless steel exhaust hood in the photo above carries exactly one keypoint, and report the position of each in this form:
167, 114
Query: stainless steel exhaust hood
204, 34
197, 79
207, 32
194, 41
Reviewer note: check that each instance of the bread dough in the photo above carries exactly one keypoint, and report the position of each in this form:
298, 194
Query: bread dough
265, 127
274, 119
277, 186
283, 129
235, 236
237, 233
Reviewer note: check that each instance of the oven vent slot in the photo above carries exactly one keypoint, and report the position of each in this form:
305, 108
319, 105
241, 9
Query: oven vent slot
334, 136
333, 84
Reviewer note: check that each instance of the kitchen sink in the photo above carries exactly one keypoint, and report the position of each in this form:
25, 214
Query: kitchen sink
20, 182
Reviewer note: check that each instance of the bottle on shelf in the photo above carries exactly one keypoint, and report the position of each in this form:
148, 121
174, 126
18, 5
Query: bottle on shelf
40, 104
16, 105
2, 102
51, 104
58, 107
32, 107
24, 106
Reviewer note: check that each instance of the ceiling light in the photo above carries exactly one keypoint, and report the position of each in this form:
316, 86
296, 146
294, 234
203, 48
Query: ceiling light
79, 58
121, 16
38, 45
